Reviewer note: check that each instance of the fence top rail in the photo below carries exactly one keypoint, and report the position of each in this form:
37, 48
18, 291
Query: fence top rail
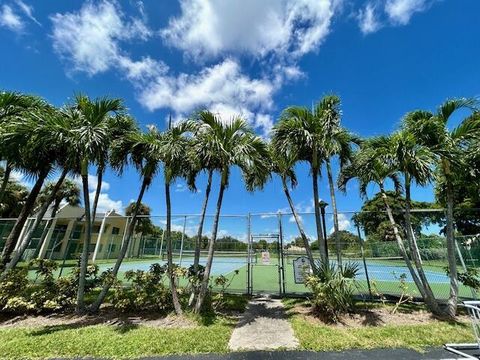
247, 215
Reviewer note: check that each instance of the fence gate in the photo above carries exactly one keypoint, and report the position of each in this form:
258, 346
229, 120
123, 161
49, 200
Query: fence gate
266, 272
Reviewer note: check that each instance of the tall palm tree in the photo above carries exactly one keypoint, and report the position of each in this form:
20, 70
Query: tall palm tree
236, 145
90, 140
209, 162
300, 131
120, 125
373, 163
431, 130
142, 151
36, 152
283, 165
414, 161
13, 104
337, 142
175, 144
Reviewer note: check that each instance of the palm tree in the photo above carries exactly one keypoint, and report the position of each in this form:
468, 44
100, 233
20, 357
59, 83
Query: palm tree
36, 153
283, 166
374, 163
52, 193
431, 130
235, 145
13, 199
120, 125
210, 163
90, 139
337, 141
300, 131
13, 104
175, 144
414, 161
142, 151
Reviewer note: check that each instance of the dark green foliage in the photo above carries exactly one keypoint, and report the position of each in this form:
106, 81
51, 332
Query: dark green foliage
147, 291
373, 218
333, 289
45, 294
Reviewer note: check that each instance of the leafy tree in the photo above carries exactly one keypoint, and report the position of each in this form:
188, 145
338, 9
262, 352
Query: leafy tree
336, 142
91, 120
449, 147
142, 151
236, 145
372, 215
282, 164
373, 163
14, 198
144, 222
301, 132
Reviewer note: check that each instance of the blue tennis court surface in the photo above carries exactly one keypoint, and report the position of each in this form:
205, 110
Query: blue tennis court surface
221, 266
392, 273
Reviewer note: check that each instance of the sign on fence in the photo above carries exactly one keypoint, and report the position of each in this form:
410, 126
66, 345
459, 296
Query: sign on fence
265, 258
301, 268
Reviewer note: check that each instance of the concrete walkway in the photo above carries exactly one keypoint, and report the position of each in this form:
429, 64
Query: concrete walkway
264, 326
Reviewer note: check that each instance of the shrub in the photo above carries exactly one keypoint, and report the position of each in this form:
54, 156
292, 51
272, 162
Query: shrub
146, 292
333, 289
45, 293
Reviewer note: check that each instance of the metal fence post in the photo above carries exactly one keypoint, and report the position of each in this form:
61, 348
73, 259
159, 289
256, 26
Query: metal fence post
183, 238
460, 256
282, 260
249, 256
364, 261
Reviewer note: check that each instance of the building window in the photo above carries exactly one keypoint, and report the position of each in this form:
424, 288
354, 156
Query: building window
96, 229
115, 230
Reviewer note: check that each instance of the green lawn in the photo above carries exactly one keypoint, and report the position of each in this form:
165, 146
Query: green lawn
112, 342
418, 337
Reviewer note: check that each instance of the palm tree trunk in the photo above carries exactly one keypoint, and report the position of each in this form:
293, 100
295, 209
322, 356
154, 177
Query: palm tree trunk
399, 239
336, 227
80, 308
6, 177
45, 230
417, 259
22, 218
299, 225
452, 261
97, 191
318, 220
123, 251
211, 246
28, 236
171, 275
198, 240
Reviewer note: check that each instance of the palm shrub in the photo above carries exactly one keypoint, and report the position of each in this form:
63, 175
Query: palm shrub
333, 288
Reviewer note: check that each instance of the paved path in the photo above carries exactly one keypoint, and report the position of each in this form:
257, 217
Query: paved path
264, 326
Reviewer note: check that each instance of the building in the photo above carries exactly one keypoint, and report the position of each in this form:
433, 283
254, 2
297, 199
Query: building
64, 235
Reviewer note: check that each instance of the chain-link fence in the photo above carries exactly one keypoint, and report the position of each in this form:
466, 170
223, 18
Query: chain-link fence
257, 252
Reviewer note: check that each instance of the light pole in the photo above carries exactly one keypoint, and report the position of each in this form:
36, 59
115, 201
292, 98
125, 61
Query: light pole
323, 205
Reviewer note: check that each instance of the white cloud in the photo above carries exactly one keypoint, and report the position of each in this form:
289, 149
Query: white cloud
344, 223
212, 28
105, 203
27, 10
400, 11
222, 88
10, 19
180, 188
368, 19
90, 39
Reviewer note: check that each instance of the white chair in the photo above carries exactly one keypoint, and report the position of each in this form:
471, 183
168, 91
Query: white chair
473, 308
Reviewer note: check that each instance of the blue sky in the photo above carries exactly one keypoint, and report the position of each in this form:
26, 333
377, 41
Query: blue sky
383, 57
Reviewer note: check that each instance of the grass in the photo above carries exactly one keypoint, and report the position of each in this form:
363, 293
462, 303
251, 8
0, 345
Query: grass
321, 337
417, 337
113, 342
